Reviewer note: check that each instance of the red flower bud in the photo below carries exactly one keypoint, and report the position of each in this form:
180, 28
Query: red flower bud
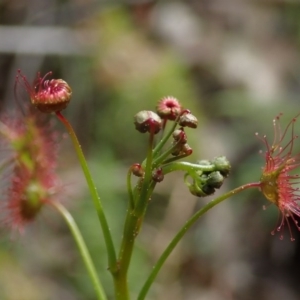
48, 95
158, 175
180, 136
137, 170
168, 108
147, 121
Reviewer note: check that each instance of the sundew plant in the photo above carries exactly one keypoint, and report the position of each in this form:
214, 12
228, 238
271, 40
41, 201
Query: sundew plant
34, 183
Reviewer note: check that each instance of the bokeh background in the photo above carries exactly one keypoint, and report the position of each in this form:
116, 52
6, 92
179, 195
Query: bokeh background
234, 63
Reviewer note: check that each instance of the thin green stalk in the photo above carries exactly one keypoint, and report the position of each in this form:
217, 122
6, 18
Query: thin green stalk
162, 131
142, 198
93, 190
165, 138
182, 232
186, 166
172, 159
82, 249
158, 160
174, 147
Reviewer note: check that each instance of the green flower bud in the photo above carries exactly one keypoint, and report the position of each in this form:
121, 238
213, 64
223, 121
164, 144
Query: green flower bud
222, 164
196, 191
215, 179
208, 190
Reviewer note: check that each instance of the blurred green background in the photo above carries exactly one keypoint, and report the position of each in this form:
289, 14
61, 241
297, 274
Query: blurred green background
234, 63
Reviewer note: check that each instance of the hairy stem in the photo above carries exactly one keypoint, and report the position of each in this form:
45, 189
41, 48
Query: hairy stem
134, 219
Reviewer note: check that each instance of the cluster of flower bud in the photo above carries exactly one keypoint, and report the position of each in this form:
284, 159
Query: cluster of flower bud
209, 178
168, 108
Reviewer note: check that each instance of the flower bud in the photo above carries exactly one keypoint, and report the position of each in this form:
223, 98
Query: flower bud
180, 136
168, 108
188, 120
186, 149
196, 191
157, 175
215, 180
222, 164
147, 121
204, 183
208, 190
182, 149
47, 95
137, 170
53, 95
201, 187
177, 150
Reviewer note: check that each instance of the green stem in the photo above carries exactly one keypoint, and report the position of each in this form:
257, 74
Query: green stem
182, 232
142, 198
93, 190
82, 249
172, 159
160, 159
186, 166
121, 288
129, 235
165, 138
132, 225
